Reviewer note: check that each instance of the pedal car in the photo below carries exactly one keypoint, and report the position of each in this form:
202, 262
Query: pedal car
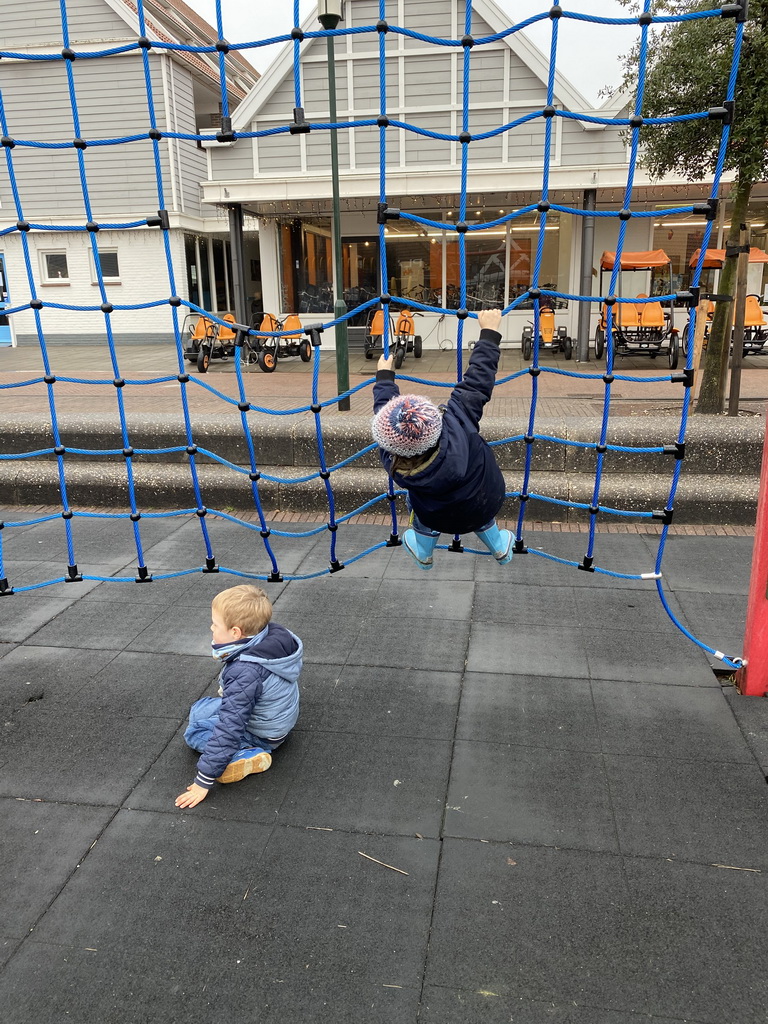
551, 339
402, 336
266, 350
755, 323
207, 340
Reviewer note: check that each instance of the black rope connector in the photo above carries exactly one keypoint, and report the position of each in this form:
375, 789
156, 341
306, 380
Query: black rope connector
315, 407
520, 547
265, 533
333, 527
296, 33
534, 293
61, 450
68, 54
625, 214
324, 474
556, 11
79, 143
22, 225
36, 304
144, 43
67, 515
608, 378
128, 453
467, 41
254, 476
222, 46
737, 10
549, 111
191, 449
49, 379
636, 121
593, 510
153, 222
107, 307
300, 125
182, 378
543, 206
601, 448
5, 589
92, 226
201, 513
462, 314
226, 134
244, 406
210, 565
708, 209
73, 576
724, 113
461, 227
529, 438
155, 134
275, 577
7, 141
165, 221
336, 566
534, 370
119, 382
734, 251
524, 498
314, 331
610, 300
385, 213
689, 298
135, 517
664, 514
174, 300
465, 137
586, 564
394, 541
685, 378
143, 575
382, 121
646, 18
456, 546
385, 298
677, 449
382, 26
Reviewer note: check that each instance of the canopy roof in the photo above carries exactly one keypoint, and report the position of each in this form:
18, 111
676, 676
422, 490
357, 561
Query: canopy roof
635, 260
716, 257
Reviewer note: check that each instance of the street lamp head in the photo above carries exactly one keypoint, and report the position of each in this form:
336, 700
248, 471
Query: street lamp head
330, 13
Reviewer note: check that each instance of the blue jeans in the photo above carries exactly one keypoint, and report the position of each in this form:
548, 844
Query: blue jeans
203, 719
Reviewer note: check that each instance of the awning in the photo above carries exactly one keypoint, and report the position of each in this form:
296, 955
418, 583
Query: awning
716, 257
635, 260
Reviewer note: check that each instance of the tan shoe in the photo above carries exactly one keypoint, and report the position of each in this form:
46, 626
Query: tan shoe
247, 762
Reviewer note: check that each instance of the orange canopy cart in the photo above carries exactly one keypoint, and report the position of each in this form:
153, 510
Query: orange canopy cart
755, 323
642, 328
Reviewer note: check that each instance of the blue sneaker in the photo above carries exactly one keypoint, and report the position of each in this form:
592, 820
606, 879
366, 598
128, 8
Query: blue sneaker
246, 762
420, 548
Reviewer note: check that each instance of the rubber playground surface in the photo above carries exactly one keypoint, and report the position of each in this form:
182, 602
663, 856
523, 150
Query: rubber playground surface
513, 794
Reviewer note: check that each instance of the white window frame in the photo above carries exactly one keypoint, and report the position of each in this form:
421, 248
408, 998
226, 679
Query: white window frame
92, 263
44, 278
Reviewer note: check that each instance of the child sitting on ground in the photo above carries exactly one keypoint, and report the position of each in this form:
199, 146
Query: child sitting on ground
259, 693
452, 479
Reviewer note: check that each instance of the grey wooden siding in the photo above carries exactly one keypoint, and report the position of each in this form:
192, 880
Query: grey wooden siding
37, 23
582, 148
428, 79
420, 150
191, 167
422, 16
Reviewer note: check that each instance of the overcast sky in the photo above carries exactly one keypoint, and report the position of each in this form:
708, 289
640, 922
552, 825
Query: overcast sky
587, 54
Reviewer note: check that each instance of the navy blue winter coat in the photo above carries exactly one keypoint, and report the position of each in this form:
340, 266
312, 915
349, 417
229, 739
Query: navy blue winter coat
462, 488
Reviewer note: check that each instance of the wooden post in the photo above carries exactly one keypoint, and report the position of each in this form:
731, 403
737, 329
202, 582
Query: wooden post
740, 302
698, 346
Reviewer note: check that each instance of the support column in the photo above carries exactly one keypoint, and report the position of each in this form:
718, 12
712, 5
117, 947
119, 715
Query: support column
587, 257
238, 268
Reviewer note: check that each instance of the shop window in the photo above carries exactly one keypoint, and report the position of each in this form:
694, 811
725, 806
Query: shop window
414, 263
54, 268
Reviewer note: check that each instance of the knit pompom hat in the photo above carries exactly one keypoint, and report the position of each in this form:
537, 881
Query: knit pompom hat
408, 425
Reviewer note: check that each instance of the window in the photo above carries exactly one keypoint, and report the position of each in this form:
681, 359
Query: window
110, 268
54, 268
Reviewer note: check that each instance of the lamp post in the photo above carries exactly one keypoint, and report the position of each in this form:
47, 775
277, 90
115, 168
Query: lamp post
329, 14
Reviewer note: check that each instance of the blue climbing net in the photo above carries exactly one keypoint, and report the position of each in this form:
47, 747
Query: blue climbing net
540, 296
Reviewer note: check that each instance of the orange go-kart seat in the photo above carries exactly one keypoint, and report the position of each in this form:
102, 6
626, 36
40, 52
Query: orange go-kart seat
651, 313
753, 314
226, 334
269, 323
293, 324
377, 324
405, 323
203, 329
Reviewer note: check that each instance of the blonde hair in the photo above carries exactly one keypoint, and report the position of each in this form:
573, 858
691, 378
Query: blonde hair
246, 607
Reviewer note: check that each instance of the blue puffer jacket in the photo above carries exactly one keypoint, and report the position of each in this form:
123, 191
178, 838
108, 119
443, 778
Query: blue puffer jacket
462, 488
260, 698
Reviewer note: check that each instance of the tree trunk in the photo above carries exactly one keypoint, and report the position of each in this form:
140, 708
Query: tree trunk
715, 369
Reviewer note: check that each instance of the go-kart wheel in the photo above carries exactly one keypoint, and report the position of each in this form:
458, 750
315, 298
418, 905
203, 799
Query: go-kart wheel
369, 353
567, 348
673, 351
527, 347
305, 351
267, 360
203, 359
684, 340
599, 342
399, 356
417, 347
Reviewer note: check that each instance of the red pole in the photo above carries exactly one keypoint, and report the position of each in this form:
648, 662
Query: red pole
752, 679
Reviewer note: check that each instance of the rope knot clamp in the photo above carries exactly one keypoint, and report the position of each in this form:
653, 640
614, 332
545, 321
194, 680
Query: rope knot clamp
68, 54
67, 515
5, 590
737, 10
543, 206
226, 134
275, 577
336, 566
586, 564
7, 141
201, 513
296, 33
22, 225
677, 449
382, 121
333, 527
520, 547
119, 382
385, 298
316, 407
191, 449
300, 125
462, 314
165, 221
73, 576
80, 144
724, 113
61, 450
593, 510
265, 533
92, 226
36, 304
646, 18
456, 546
222, 46
534, 293
625, 214
49, 379
689, 298
154, 134
394, 541
210, 565
548, 111
708, 209
127, 453
685, 378
314, 332
601, 448
465, 137
524, 498
182, 378
144, 43
467, 41
664, 514
461, 227
534, 370
107, 307
135, 517
608, 378
636, 121
174, 301
153, 222
244, 406
529, 438
324, 474
382, 26
385, 213
556, 11
253, 477
143, 575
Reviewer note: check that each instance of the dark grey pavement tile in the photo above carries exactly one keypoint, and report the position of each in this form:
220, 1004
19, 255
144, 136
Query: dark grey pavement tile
350, 542
108, 541
108, 624
317, 684
51, 674
752, 715
646, 657
40, 846
656, 720
524, 603
447, 565
724, 614
37, 577
529, 795
83, 758
190, 871
530, 710
456, 1006
256, 798
708, 565
24, 614
626, 553
696, 810
384, 702
370, 784
186, 631
617, 608
527, 650
424, 599
412, 643
49, 983
328, 597
6, 649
